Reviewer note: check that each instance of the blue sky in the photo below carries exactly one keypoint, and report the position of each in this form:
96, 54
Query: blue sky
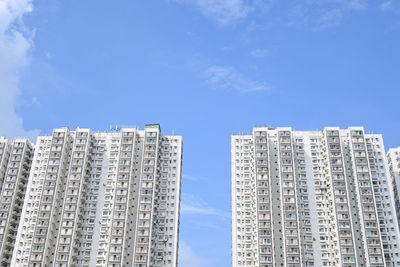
204, 69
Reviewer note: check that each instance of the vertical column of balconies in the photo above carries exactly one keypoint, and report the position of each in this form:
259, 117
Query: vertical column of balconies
113, 147
263, 198
247, 209
235, 191
84, 227
5, 148
340, 195
45, 233
30, 208
303, 198
173, 200
4, 157
379, 200
148, 178
121, 211
393, 157
318, 201
279, 257
289, 199
160, 238
12, 196
244, 216
94, 200
366, 200
384, 199
133, 200
322, 204
67, 241
325, 207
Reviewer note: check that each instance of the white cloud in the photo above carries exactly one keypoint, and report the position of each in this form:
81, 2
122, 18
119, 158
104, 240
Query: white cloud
229, 78
194, 205
188, 258
223, 11
15, 43
260, 52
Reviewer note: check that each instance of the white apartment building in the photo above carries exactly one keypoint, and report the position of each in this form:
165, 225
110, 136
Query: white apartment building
102, 199
15, 164
312, 198
393, 157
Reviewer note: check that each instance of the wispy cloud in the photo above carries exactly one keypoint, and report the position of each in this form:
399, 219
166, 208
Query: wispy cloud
386, 6
319, 15
223, 77
260, 52
196, 206
15, 42
390, 6
330, 18
189, 258
342, 4
354, 4
222, 11
333, 11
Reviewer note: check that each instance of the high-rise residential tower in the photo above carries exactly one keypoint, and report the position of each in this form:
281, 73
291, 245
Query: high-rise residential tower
15, 164
312, 198
102, 199
394, 167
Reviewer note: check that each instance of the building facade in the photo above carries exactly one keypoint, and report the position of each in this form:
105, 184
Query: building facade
101, 199
312, 198
15, 164
393, 157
